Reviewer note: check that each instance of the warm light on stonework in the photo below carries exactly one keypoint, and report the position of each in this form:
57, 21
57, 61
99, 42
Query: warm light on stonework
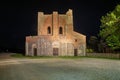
55, 37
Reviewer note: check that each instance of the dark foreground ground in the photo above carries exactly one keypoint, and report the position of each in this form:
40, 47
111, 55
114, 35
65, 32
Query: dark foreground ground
59, 69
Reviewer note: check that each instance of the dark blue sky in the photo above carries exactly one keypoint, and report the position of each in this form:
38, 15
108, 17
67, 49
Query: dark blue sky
19, 19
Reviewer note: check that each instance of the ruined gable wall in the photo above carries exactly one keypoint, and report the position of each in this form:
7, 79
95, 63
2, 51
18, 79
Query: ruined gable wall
62, 23
44, 21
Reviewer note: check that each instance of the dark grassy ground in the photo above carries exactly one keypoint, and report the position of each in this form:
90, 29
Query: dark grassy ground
63, 57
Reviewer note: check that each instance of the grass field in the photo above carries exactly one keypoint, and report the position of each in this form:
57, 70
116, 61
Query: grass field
59, 69
63, 57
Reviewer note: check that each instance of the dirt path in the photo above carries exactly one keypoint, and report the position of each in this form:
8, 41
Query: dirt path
59, 69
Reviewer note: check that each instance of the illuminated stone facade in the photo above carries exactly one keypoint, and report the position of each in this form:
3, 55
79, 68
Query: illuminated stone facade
55, 37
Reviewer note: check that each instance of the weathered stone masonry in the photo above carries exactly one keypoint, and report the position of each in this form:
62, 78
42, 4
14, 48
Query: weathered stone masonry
55, 37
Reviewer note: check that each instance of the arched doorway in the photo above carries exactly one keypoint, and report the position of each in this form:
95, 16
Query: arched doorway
55, 51
55, 46
35, 51
75, 52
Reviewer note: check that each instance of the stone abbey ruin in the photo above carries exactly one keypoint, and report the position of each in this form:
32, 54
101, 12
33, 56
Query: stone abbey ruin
56, 37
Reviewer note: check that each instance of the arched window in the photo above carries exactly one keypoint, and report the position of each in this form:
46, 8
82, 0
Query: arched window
60, 30
49, 30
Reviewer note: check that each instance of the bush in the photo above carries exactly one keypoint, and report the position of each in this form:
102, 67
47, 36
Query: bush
17, 55
89, 50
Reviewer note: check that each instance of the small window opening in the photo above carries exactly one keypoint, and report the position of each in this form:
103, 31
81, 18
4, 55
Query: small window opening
75, 40
60, 30
49, 30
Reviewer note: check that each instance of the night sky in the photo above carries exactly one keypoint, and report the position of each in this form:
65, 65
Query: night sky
19, 19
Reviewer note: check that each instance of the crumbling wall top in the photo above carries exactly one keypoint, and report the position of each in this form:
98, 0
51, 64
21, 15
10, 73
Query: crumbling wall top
69, 12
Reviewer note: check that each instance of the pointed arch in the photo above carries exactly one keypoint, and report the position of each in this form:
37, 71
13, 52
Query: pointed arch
60, 30
49, 30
